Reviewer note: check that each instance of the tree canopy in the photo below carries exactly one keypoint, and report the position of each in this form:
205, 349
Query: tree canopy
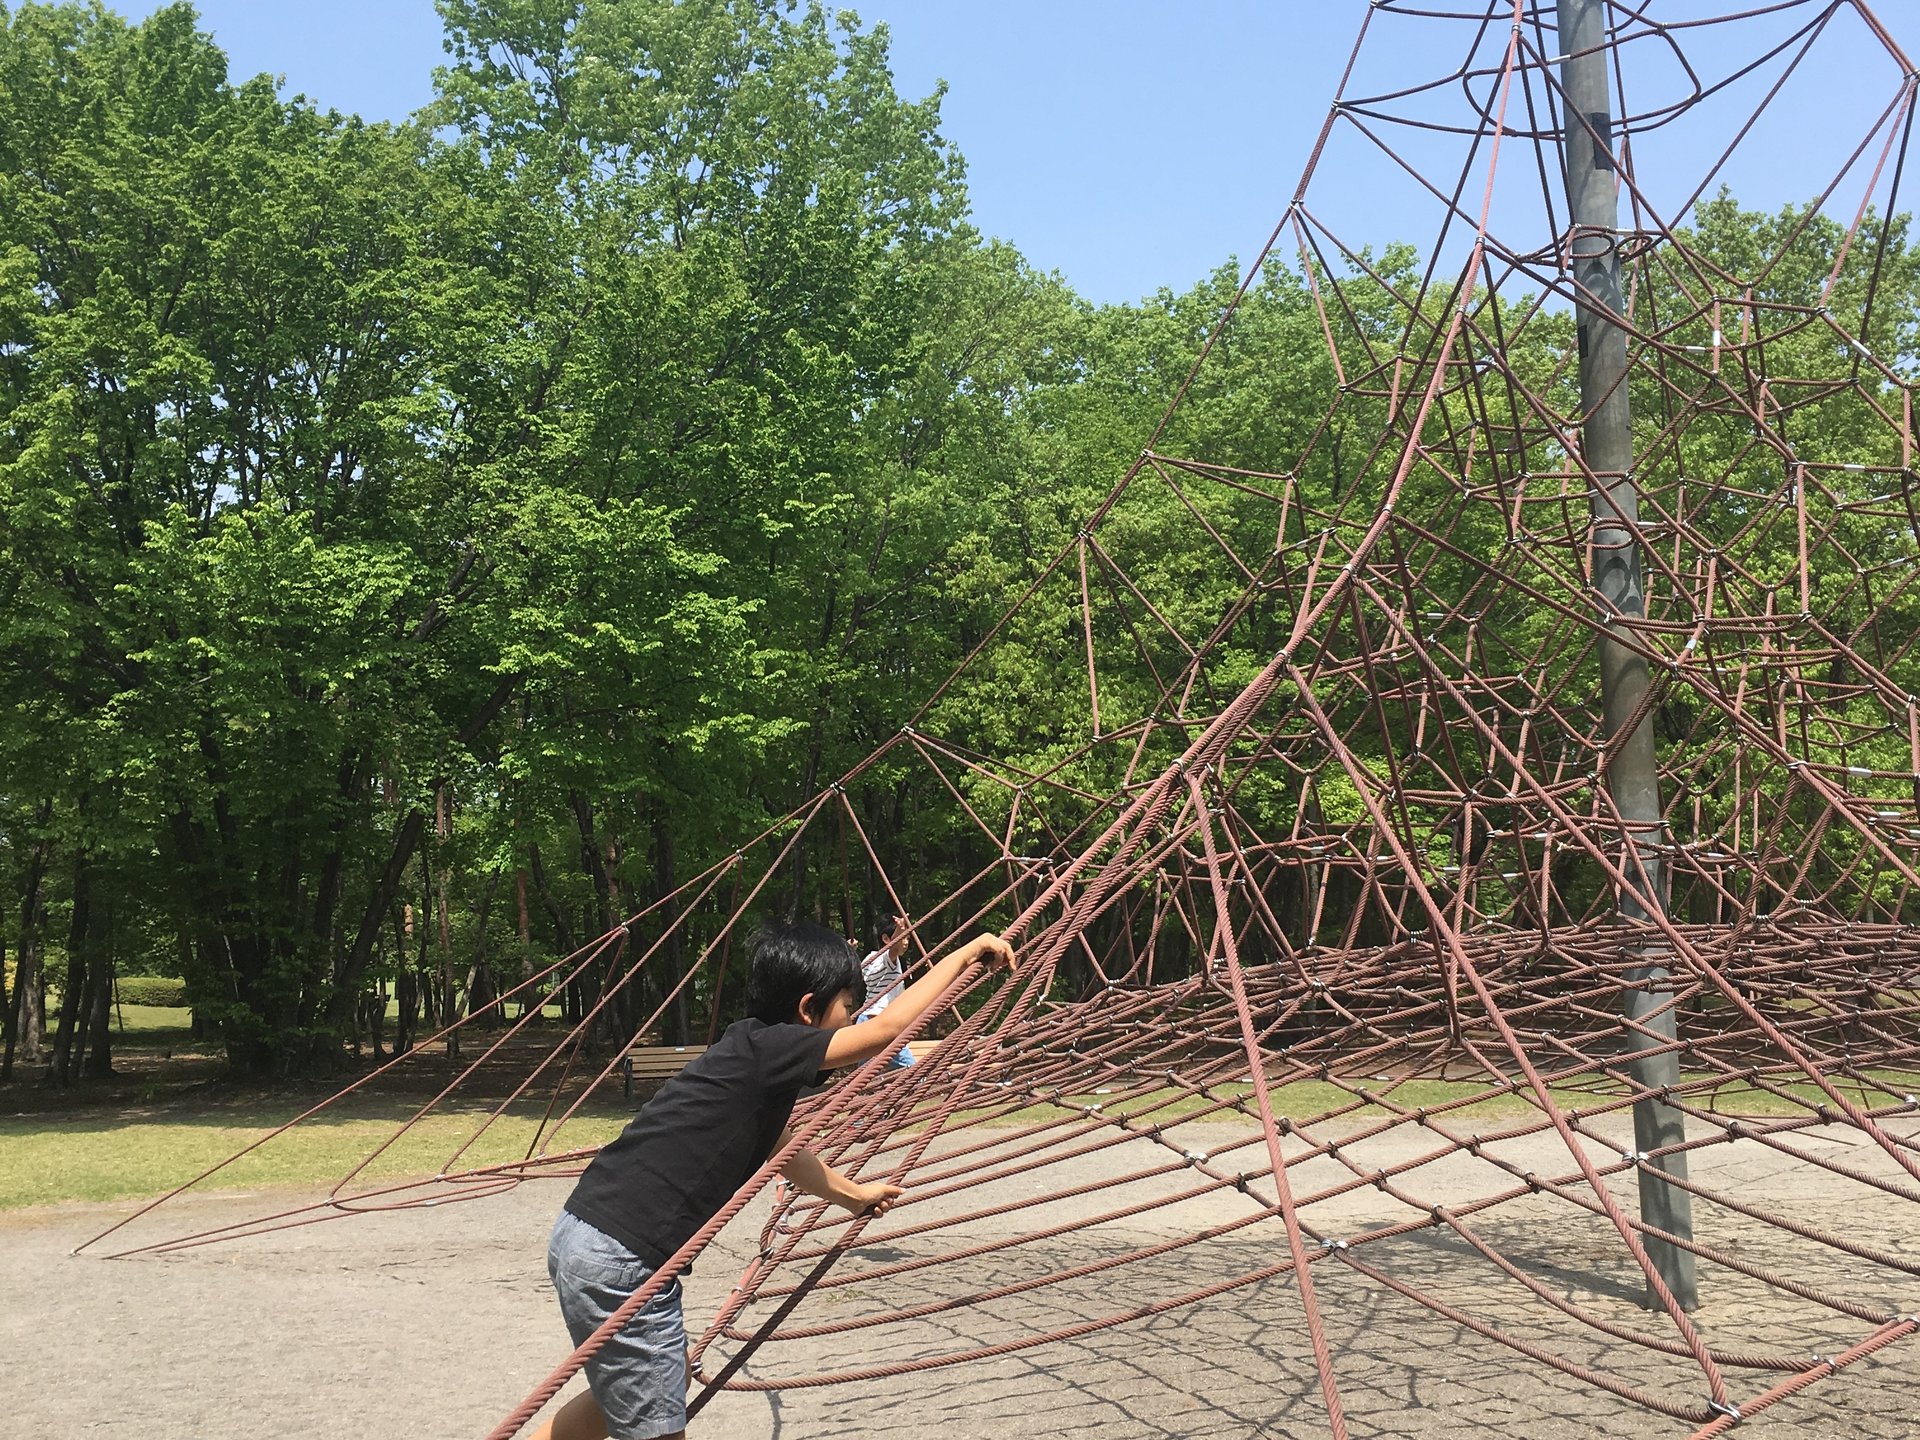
422, 545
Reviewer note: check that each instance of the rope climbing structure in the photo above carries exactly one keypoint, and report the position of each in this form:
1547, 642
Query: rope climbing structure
1356, 974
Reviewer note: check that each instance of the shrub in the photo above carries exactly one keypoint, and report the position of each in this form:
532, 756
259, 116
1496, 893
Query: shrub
152, 990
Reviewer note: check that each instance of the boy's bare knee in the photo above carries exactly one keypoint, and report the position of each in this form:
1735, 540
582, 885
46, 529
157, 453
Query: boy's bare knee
579, 1419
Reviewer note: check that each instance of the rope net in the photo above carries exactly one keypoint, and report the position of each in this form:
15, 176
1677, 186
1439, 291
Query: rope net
1321, 1006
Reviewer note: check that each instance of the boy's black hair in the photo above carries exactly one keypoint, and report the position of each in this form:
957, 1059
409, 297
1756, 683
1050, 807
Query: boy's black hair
884, 928
802, 958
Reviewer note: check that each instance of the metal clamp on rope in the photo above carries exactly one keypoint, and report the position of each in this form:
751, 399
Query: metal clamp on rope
1724, 1407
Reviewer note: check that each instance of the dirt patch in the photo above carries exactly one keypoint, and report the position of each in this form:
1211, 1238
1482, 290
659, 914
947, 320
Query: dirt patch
435, 1322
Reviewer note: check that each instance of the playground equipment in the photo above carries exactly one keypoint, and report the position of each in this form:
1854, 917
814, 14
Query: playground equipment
1527, 812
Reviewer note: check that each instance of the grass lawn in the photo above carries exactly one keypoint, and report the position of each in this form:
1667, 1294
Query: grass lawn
156, 1024
128, 1147
134, 1145
1307, 1099
1297, 1100
141, 1019
55, 1158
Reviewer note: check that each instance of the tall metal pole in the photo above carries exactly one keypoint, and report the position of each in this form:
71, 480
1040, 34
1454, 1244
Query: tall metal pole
1633, 778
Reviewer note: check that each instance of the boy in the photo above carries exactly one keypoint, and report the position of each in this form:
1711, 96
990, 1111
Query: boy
885, 981
694, 1144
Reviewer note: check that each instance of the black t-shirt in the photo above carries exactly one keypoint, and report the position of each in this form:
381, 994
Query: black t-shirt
697, 1141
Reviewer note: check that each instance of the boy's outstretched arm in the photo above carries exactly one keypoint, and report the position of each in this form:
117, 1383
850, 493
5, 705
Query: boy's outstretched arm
867, 1039
812, 1174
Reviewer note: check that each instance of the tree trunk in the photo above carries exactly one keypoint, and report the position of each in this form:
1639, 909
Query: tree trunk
25, 1010
407, 990
1313, 877
406, 839
423, 971
333, 868
61, 1071
9, 1011
28, 1012
386, 889
99, 1060
562, 931
403, 994
443, 926
480, 987
591, 860
525, 922
377, 1022
633, 1001
669, 957
83, 1021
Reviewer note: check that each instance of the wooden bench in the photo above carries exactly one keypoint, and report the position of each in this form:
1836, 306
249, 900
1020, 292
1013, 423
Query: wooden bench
658, 1063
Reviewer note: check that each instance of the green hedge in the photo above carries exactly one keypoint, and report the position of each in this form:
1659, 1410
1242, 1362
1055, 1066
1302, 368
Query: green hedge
152, 990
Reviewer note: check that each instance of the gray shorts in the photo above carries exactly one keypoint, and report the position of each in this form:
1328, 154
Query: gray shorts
639, 1377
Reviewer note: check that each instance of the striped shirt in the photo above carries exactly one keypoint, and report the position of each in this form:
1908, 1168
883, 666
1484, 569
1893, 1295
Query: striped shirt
885, 980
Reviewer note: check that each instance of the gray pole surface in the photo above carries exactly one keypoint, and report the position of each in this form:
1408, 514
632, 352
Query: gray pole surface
1633, 779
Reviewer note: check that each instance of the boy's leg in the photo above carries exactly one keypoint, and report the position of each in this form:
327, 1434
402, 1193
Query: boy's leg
578, 1419
639, 1375
581, 1419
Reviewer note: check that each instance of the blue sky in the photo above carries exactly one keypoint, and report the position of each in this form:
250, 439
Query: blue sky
1133, 145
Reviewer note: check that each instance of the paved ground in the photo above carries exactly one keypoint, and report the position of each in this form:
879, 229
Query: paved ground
435, 1323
